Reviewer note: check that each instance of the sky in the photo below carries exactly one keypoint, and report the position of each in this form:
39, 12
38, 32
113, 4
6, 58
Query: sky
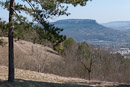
100, 10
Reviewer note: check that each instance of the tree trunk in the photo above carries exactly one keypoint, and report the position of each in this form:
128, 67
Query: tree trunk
11, 44
89, 75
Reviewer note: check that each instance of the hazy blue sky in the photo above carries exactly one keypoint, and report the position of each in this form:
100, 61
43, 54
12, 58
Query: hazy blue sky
100, 10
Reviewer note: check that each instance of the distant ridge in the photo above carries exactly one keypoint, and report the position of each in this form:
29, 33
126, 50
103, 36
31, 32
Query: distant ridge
118, 22
118, 25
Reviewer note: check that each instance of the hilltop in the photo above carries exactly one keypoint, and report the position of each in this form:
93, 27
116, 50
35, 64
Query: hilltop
118, 25
31, 56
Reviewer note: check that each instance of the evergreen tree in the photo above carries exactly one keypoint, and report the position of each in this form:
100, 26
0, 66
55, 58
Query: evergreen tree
39, 9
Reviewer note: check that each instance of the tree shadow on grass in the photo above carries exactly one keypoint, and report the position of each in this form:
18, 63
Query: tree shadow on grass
53, 52
29, 83
121, 85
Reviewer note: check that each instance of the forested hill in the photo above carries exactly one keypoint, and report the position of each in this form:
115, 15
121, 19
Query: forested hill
89, 30
118, 25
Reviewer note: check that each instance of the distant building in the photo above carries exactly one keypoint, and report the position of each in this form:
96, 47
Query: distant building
124, 52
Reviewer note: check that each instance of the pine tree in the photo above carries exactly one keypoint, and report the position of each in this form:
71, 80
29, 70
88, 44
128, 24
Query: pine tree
40, 10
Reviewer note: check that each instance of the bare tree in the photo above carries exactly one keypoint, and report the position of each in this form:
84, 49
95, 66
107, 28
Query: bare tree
40, 62
87, 57
88, 67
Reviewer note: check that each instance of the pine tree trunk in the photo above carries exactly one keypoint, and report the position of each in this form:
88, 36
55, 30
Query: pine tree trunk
11, 44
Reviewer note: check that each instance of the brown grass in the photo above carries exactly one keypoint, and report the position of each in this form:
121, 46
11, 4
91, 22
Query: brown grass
34, 79
34, 57
31, 56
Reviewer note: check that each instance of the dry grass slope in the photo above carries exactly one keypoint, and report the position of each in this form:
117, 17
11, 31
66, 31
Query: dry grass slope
31, 56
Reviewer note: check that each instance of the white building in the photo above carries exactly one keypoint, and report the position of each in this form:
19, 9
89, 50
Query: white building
124, 51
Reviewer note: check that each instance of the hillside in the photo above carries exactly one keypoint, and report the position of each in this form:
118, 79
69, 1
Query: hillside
118, 25
92, 32
38, 66
26, 78
31, 56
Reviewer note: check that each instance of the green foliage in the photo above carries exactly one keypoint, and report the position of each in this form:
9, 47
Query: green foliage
23, 28
69, 42
51, 33
2, 43
47, 8
84, 50
3, 31
59, 48
40, 11
3, 28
